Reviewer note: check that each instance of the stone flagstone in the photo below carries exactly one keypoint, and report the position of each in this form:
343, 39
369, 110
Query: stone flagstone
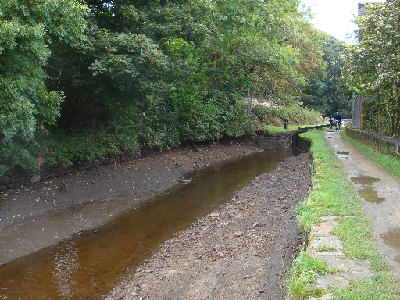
328, 247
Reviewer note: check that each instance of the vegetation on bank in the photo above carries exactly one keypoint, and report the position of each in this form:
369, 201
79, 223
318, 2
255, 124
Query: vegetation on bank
371, 69
388, 162
327, 91
83, 79
295, 114
334, 194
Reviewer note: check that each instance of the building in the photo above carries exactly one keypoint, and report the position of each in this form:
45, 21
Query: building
362, 9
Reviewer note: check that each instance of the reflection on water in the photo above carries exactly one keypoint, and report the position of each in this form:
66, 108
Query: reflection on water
365, 180
88, 265
370, 195
392, 239
367, 192
65, 262
342, 153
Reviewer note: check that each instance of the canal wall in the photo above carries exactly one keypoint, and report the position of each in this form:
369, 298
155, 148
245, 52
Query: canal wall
382, 143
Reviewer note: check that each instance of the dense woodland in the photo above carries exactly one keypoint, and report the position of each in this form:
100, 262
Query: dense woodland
90, 78
372, 68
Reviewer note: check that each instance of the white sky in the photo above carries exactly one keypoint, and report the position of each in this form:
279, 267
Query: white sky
336, 17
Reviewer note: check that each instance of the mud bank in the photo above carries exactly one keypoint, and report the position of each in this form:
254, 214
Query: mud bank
240, 251
42, 214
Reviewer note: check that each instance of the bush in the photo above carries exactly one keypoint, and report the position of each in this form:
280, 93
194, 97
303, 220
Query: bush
296, 115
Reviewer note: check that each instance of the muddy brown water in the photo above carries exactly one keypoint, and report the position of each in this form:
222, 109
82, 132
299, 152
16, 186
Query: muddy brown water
365, 180
392, 239
368, 192
88, 265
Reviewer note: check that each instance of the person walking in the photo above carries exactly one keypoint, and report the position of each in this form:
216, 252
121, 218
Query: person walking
338, 120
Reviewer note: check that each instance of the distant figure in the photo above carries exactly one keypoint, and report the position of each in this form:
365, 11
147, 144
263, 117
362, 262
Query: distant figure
338, 120
330, 122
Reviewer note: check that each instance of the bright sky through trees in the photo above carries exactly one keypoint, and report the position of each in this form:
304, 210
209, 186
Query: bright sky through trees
336, 17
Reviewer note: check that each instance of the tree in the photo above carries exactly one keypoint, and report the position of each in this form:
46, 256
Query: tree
372, 67
26, 31
136, 73
325, 90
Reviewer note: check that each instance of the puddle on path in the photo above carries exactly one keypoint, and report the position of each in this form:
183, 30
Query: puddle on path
88, 265
392, 239
367, 192
370, 195
342, 153
365, 180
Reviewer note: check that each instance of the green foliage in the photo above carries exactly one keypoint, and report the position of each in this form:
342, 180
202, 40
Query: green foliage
372, 67
382, 286
305, 270
296, 115
325, 91
64, 148
145, 73
360, 242
26, 106
330, 184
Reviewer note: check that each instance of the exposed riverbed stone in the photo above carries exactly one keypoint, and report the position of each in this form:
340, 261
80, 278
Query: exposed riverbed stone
244, 253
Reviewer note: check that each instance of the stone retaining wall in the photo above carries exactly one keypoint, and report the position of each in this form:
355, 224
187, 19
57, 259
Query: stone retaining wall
379, 142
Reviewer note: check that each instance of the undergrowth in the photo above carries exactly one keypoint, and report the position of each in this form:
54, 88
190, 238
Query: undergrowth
296, 114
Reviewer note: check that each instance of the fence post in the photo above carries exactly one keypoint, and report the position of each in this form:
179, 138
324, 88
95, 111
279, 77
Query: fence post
361, 112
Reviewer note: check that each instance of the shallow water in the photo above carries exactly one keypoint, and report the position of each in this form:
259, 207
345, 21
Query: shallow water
368, 192
88, 265
392, 239
365, 180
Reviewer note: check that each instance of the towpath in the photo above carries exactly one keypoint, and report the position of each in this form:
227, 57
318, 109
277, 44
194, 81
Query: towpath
380, 194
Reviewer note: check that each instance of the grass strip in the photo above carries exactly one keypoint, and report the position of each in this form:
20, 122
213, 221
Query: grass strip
333, 194
388, 162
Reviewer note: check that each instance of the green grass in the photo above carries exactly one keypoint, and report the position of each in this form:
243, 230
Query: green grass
334, 194
305, 270
329, 185
382, 286
388, 162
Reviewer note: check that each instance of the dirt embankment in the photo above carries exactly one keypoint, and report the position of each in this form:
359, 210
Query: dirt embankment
36, 216
240, 251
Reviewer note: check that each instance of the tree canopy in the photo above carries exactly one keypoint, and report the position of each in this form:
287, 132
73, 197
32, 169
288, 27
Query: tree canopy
372, 67
325, 90
128, 74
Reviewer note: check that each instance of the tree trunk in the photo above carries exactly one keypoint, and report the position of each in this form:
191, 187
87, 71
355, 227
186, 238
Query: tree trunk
163, 2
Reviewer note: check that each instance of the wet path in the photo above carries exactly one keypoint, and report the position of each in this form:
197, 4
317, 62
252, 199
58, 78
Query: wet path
380, 193
86, 266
